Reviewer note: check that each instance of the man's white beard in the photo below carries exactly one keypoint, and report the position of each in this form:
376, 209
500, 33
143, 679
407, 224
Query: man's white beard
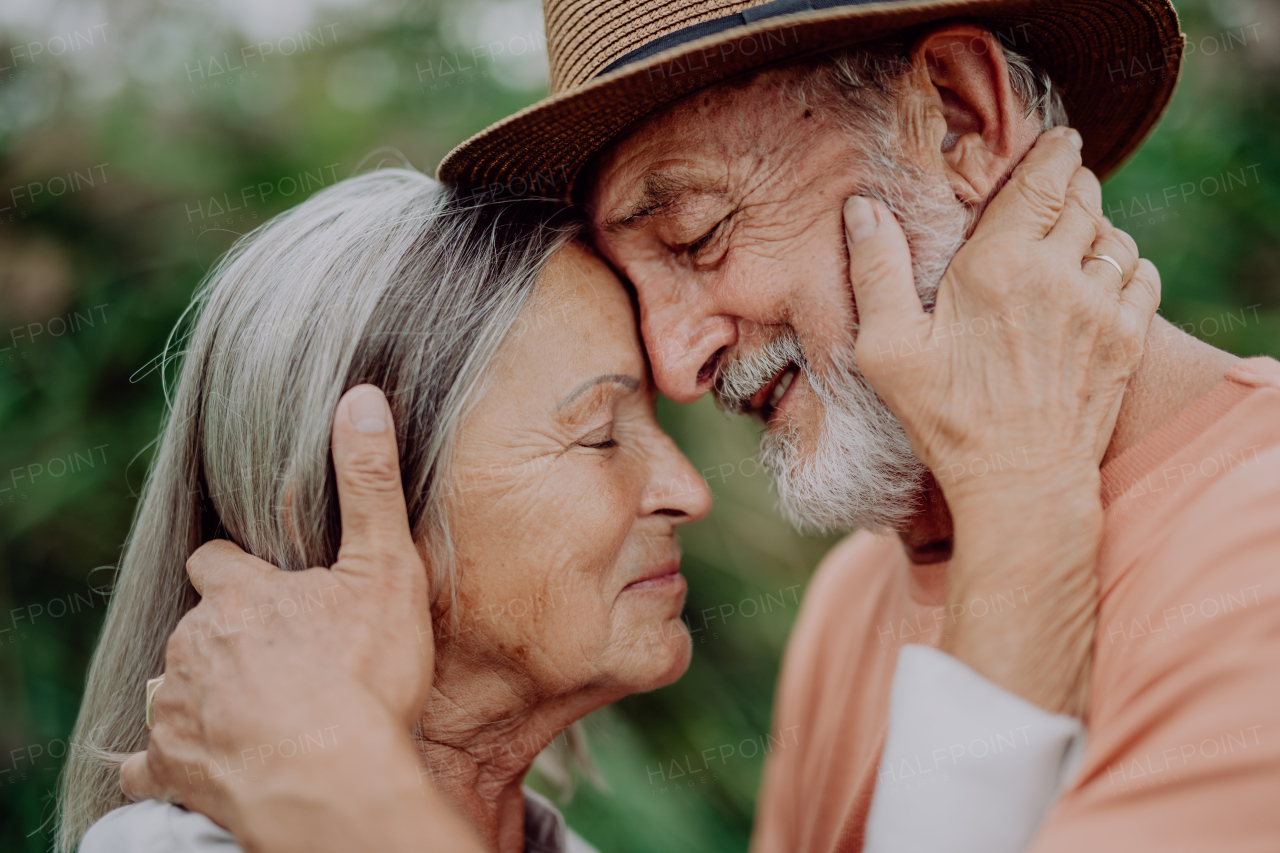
863, 472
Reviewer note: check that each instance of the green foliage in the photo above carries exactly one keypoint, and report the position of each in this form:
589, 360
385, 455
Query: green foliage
170, 158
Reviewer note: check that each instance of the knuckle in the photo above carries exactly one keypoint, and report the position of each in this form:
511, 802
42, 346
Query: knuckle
199, 561
1038, 189
157, 759
1077, 206
1085, 176
131, 778
205, 568
177, 647
389, 551
1085, 187
1149, 277
1057, 145
878, 267
215, 550
371, 473
1130, 245
1088, 195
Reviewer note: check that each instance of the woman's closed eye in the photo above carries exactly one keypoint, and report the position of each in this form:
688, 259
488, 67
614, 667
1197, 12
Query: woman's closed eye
599, 439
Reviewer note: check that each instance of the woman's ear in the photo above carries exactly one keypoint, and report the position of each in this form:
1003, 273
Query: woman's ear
987, 132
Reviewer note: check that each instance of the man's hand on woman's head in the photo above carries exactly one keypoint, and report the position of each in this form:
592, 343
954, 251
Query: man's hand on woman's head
286, 694
1009, 392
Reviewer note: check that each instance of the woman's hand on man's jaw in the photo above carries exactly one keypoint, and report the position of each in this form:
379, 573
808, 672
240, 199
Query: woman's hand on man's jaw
290, 697
1009, 392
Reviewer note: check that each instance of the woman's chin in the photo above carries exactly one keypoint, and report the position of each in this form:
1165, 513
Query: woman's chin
665, 651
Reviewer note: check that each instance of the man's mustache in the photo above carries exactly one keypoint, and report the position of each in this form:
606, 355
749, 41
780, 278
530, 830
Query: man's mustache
742, 375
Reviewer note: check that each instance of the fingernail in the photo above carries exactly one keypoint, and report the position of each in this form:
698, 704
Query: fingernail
1076, 139
860, 219
368, 411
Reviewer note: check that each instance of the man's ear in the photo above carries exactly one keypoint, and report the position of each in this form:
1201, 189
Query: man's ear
987, 132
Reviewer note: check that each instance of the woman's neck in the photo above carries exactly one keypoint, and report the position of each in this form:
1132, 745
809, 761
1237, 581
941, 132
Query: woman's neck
490, 798
479, 738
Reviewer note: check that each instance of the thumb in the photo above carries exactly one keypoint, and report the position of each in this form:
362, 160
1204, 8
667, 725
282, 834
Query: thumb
879, 271
137, 781
375, 523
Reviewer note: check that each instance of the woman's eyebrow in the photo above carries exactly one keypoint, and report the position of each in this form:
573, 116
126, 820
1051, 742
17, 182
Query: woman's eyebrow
628, 382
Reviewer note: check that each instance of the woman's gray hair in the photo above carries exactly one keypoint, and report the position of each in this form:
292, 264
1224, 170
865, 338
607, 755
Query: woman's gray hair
386, 278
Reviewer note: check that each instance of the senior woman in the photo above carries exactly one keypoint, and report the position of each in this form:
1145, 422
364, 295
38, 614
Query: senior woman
541, 495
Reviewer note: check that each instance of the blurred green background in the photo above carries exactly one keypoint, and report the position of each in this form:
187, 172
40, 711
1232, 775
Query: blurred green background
137, 140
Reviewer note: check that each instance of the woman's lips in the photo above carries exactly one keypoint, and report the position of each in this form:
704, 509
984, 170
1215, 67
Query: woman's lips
667, 576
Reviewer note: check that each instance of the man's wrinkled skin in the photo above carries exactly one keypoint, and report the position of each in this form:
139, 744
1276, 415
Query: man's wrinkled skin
768, 179
752, 228
797, 251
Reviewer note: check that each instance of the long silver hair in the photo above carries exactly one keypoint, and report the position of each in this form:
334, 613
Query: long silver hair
387, 278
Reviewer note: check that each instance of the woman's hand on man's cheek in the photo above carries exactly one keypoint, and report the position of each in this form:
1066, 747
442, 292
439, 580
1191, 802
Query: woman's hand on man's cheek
1009, 391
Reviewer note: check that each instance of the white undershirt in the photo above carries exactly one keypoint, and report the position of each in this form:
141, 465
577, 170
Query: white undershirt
967, 767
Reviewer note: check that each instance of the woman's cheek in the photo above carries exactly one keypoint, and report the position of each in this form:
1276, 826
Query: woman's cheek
604, 505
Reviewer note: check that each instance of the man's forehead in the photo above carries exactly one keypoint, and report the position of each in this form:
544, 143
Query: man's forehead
687, 145
651, 165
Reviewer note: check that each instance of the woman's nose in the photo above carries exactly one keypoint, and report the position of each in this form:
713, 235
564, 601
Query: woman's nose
675, 487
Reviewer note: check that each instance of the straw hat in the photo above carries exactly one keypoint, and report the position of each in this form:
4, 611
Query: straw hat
615, 62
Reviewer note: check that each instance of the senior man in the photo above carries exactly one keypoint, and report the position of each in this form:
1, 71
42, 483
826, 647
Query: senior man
724, 209
741, 163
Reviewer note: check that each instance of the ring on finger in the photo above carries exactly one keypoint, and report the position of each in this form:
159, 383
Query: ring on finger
153, 684
1108, 259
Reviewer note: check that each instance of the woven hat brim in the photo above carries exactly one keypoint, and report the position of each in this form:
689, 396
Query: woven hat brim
1116, 61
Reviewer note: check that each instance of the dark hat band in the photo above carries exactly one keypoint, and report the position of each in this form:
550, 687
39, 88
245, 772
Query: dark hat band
693, 32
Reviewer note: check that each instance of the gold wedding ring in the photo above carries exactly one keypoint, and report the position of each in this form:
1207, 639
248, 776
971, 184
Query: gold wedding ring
1109, 260
153, 684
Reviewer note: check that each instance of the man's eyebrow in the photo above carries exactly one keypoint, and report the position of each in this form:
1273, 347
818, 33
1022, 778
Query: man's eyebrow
658, 190
628, 382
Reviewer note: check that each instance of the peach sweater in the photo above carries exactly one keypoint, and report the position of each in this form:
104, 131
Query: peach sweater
1183, 750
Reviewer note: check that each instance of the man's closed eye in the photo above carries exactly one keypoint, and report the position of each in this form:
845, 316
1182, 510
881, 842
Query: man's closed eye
709, 248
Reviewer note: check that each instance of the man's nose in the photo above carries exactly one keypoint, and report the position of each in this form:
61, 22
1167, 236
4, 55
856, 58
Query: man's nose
683, 344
